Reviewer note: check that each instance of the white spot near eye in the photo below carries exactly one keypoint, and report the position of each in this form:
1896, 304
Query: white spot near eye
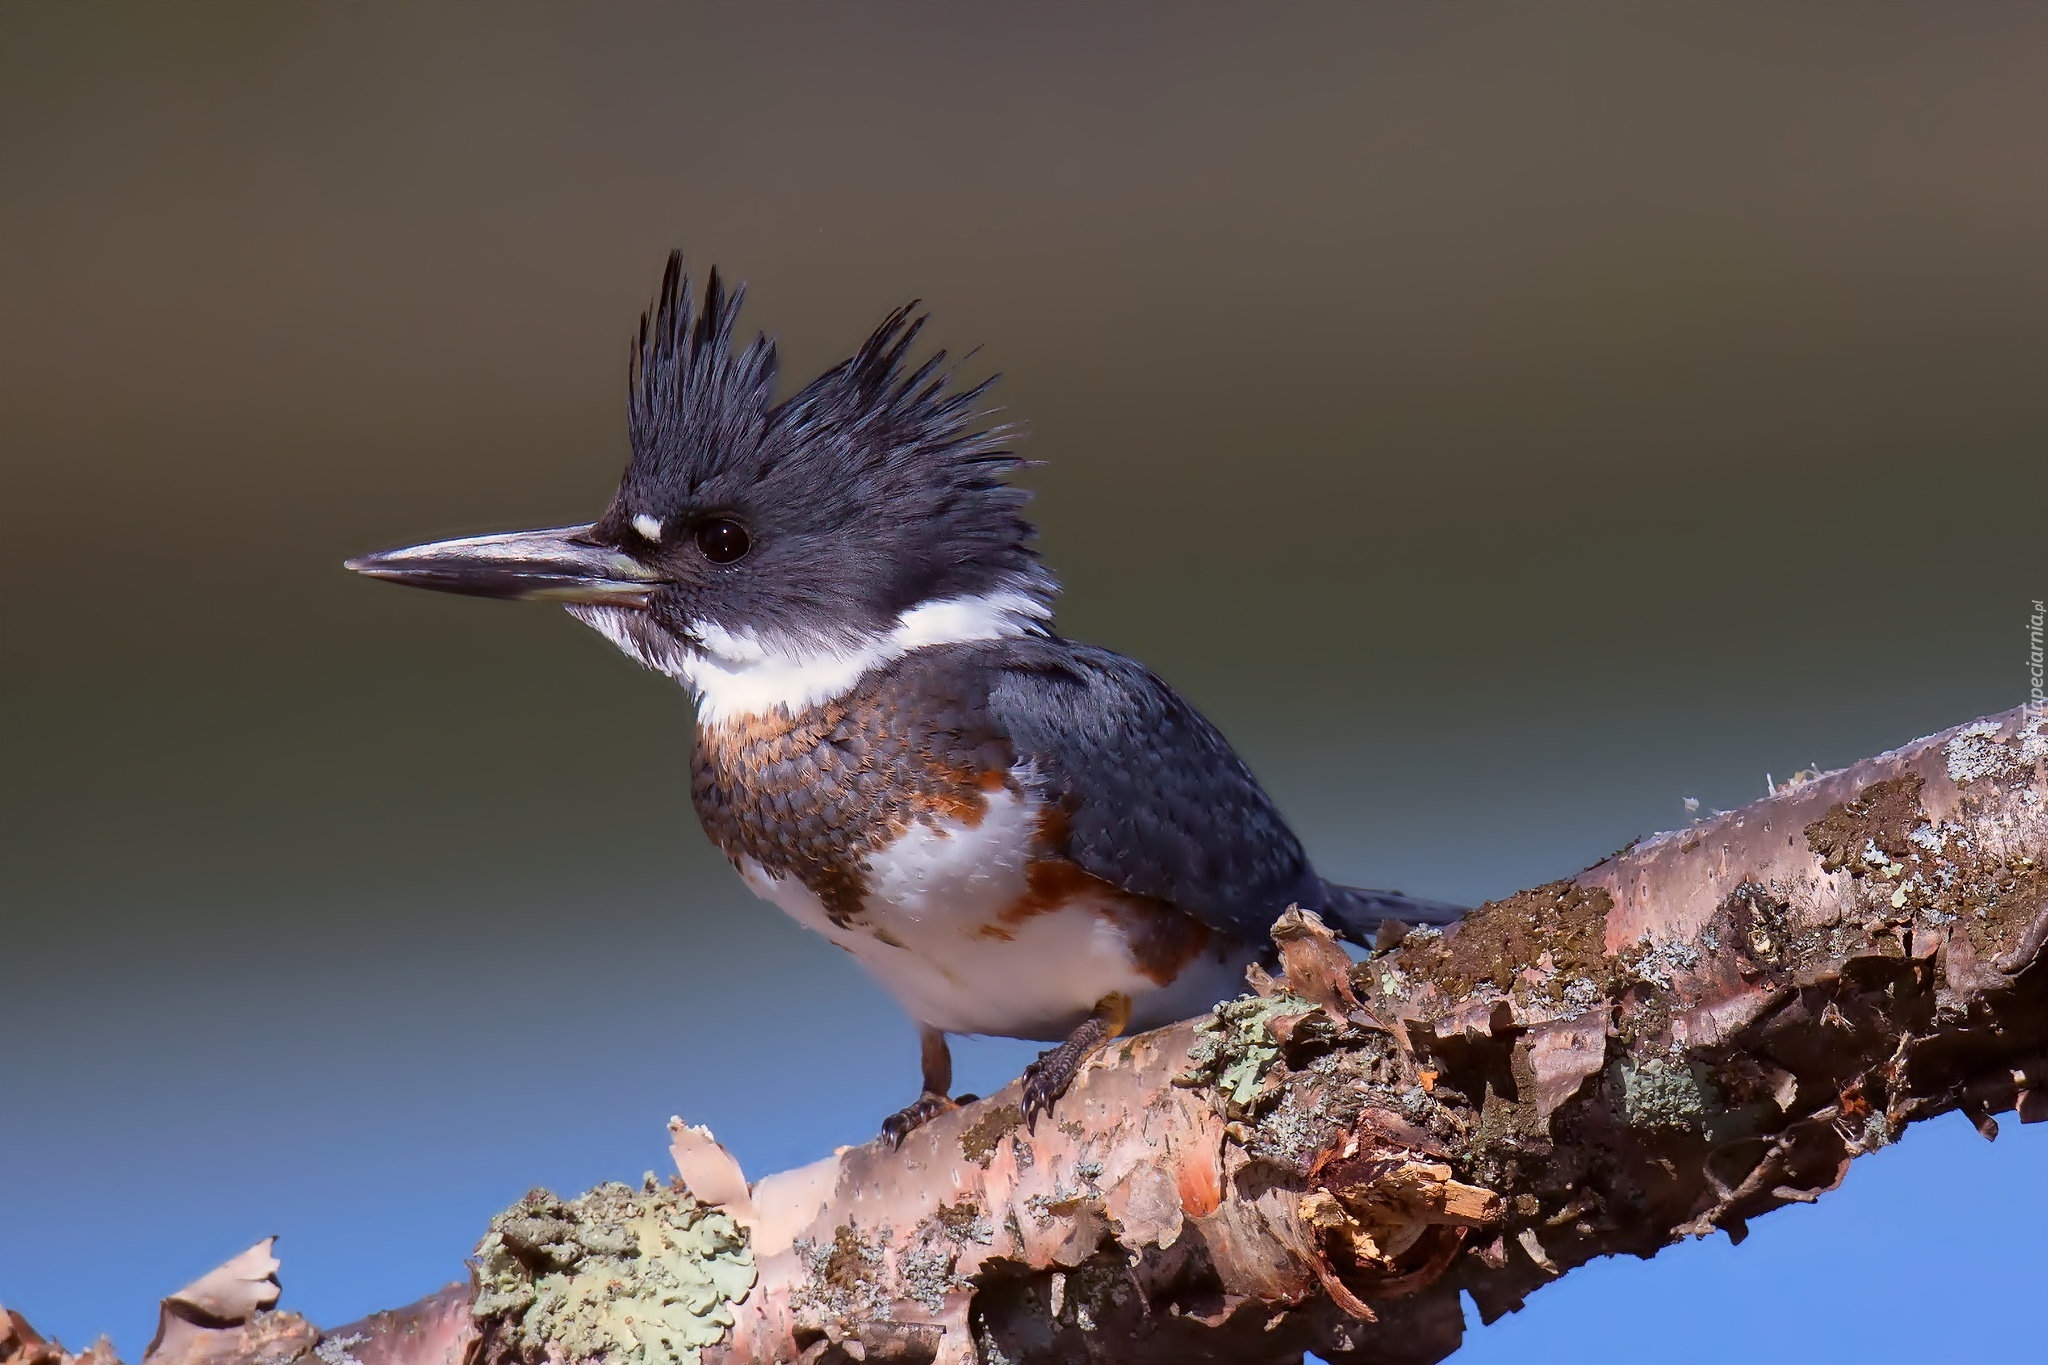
650, 527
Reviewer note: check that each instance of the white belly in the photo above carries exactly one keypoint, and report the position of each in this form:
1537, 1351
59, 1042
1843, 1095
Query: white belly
931, 898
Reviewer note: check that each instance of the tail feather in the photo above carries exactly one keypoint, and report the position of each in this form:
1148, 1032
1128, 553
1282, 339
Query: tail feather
1356, 913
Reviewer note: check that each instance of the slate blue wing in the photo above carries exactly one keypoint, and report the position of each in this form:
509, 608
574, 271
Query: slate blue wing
1156, 801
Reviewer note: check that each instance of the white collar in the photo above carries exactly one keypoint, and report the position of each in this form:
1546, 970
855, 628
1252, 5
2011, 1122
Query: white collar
734, 674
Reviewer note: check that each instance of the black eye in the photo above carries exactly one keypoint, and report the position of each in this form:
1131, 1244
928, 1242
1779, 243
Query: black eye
723, 540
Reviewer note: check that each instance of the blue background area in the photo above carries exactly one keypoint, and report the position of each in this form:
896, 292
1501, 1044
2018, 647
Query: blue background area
1504, 426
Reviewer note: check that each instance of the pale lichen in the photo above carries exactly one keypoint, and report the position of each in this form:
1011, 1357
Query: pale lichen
648, 1276
1658, 964
1976, 752
1931, 838
2033, 738
844, 1279
1877, 1132
335, 1350
1236, 1047
925, 1270
1394, 983
1667, 1093
1581, 994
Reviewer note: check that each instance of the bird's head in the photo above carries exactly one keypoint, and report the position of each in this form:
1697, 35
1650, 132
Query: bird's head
766, 552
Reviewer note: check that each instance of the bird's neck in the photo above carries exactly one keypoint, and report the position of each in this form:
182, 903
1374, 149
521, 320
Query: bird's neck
736, 675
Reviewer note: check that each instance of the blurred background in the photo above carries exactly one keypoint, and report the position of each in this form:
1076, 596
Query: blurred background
1504, 425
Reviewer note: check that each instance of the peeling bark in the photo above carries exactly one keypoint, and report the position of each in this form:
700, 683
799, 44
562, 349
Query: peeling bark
1704, 1027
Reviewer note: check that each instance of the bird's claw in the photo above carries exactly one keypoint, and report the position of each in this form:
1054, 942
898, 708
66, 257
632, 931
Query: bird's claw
914, 1116
1044, 1081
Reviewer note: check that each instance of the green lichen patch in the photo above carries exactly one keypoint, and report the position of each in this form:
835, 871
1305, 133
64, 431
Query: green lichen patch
978, 1144
1237, 1048
1565, 921
1667, 1093
645, 1276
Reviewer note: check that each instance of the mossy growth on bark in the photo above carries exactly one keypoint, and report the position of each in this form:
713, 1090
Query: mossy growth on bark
635, 1277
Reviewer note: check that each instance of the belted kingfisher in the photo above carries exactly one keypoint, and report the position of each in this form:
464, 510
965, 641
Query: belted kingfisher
1016, 834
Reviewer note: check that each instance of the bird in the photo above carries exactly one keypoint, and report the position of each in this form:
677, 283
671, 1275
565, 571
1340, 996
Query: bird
1014, 833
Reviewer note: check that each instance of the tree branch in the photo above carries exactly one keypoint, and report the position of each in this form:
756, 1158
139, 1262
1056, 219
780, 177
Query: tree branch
1702, 1028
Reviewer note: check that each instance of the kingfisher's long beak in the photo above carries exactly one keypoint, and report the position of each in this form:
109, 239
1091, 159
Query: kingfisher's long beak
559, 565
